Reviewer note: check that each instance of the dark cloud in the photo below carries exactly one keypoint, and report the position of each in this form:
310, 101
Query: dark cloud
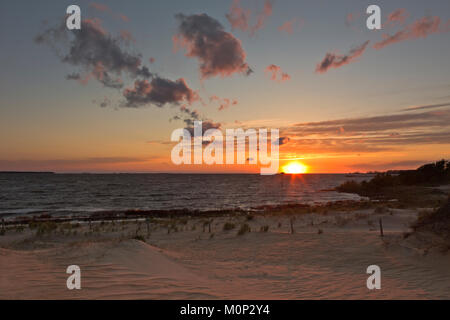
282, 140
392, 165
102, 57
218, 51
159, 91
104, 103
333, 60
395, 122
161, 142
206, 125
97, 53
189, 116
431, 106
73, 76
370, 134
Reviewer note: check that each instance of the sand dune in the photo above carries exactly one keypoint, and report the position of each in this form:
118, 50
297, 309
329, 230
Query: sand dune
192, 264
110, 269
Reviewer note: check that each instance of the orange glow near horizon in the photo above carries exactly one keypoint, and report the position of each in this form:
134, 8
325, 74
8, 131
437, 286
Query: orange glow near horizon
295, 167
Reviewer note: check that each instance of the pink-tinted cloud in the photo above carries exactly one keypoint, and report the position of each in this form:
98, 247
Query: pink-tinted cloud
276, 74
262, 17
104, 8
285, 77
239, 17
99, 7
123, 17
351, 17
421, 28
127, 36
333, 60
398, 16
218, 51
290, 25
224, 103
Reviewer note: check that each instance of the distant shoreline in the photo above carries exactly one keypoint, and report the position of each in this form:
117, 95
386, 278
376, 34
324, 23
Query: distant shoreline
27, 172
182, 173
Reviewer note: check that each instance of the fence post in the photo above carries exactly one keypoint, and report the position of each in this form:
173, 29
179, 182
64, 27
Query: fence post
381, 228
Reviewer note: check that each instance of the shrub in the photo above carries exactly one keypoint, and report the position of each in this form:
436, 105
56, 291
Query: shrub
139, 238
437, 221
244, 229
228, 226
432, 173
349, 187
46, 227
381, 209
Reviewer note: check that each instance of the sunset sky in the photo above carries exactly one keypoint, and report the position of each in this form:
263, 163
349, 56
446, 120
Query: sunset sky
107, 99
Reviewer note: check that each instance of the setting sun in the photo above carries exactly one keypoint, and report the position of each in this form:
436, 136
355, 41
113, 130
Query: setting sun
295, 168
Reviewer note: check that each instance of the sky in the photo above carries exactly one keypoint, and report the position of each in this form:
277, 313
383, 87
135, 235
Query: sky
107, 98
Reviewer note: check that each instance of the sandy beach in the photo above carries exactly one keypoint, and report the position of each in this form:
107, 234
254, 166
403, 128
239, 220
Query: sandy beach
324, 255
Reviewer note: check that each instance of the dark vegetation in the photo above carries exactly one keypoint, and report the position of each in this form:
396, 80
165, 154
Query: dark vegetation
228, 226
437, 221
244, 229
411, 188
139, 238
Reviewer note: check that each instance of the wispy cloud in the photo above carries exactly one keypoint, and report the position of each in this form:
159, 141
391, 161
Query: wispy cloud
98, 54
240, 18
104, 8
430, 106
334, 60
370, 134
64, 163
390, 165
397, 17
395, 122
276, 74
351, 18
224, 103
421, 28
291, 25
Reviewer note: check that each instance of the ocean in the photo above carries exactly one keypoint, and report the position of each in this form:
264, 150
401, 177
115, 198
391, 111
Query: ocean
68, 194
